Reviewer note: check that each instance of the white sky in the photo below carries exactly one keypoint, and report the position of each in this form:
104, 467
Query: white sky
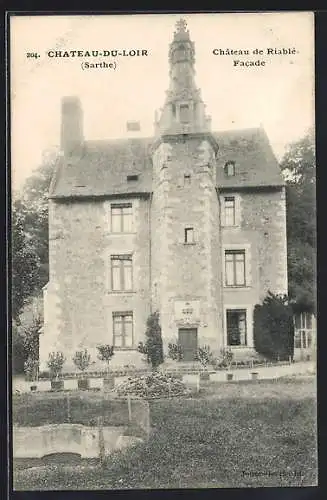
280, 96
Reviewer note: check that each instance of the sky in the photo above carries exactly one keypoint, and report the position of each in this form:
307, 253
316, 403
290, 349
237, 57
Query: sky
278, 96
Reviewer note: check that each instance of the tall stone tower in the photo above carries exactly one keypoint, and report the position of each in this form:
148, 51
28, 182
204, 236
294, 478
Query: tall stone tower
186, 254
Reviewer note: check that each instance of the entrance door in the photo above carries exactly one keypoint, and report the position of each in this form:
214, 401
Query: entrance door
188, 339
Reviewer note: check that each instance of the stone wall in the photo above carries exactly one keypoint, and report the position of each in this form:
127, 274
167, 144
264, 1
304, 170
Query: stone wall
78, 299
261, 231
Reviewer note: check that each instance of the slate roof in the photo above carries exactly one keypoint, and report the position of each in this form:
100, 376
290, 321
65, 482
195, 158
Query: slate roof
255, 162
103, 166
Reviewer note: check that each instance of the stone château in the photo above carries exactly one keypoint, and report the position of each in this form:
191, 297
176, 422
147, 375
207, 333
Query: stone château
190, 223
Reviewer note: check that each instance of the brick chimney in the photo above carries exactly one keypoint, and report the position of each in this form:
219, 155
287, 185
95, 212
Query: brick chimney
71, 134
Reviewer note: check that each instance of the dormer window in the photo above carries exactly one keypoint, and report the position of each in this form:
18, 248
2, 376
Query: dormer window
132, 178
184, 113
230, 168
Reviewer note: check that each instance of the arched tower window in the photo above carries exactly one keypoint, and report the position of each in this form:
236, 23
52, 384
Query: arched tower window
180, 53
184, 113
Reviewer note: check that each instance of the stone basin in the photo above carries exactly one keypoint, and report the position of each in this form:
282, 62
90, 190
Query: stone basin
38, 442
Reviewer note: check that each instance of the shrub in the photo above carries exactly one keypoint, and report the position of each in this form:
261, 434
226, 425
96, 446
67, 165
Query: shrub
82, 360
175, 352
273, 328
55, 363
153, 345
105, 353
227, 356
204, 355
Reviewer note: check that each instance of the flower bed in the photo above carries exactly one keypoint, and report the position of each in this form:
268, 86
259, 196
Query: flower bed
155, 385
168, 371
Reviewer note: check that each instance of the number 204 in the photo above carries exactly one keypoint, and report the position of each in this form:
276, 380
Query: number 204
32, 54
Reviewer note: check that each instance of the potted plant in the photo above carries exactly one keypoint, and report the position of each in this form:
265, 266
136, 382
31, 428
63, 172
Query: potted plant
205, 357
55, 363
227, 359
31, 368
175, 352
105, 353
82, 360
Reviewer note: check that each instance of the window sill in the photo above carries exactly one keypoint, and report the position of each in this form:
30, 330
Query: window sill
121, 234
121, 292
234, 226
189, 244
125, 349
237, 287
239, 347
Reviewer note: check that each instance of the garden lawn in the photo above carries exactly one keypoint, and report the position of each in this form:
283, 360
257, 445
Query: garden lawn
231, 435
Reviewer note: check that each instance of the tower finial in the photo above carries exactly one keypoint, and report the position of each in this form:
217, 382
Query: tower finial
181, 26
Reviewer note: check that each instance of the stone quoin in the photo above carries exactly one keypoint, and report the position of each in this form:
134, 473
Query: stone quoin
189, 222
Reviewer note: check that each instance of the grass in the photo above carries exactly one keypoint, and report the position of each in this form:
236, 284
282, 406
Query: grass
231, 435
74, 406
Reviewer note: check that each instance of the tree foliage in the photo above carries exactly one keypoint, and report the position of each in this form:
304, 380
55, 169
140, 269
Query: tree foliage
299, 168
82, 360
33, 203
273, 328
56, 363
25, 263
105, 353
153, 345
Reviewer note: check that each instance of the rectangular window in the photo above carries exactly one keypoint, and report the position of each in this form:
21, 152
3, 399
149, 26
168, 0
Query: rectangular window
236, 327
121, 218
121, 273
303, 330
189, 235
123, 329
229, 210
187, 179
184, 113
235, 267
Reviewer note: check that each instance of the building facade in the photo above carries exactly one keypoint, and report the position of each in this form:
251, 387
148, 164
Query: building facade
190, 223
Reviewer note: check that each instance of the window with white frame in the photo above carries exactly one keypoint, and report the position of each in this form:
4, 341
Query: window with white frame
229, 211
303, 331
123, 329
121, 218
235, 268
236, 327
121, 273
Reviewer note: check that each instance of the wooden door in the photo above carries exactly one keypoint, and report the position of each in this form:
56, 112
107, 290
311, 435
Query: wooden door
188, 339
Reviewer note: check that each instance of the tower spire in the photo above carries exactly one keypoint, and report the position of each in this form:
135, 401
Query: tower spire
183, 111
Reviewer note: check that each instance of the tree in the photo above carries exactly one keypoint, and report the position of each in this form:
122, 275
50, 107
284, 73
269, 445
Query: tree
273, 328
29, 253
298, 166
33, 201
25, 264
153, 345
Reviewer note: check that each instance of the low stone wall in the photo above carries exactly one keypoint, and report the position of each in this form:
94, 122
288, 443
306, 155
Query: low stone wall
37, 442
